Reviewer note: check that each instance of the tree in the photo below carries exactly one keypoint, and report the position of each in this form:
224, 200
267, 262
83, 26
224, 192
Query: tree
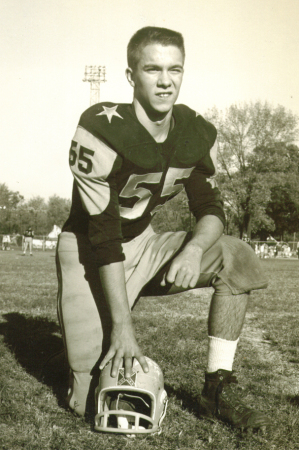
247, 185
58, 211
174, 215
283, 207
37, 208
16, 214
9, 200
32, 213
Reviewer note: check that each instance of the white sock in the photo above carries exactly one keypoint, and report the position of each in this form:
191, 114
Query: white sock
221, 354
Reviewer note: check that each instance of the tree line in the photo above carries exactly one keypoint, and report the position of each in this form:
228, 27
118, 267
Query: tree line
258, 175
16, 214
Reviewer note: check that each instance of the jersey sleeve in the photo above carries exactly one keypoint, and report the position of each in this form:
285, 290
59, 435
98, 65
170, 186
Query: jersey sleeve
202, 190
94, 164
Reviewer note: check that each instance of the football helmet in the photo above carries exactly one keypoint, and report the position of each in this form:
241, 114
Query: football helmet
135, 405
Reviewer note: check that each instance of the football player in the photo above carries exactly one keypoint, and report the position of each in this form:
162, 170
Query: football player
28, 240
127, 161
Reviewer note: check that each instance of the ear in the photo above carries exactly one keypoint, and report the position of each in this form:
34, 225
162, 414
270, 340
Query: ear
129, 75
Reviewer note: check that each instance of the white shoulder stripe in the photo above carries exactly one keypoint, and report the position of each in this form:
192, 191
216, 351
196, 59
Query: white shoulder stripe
213, 154
93, 188
104, 156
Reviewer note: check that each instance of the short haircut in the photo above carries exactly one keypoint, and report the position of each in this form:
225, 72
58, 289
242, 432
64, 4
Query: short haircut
152, 35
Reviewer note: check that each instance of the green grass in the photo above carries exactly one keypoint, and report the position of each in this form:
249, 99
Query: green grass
172, 331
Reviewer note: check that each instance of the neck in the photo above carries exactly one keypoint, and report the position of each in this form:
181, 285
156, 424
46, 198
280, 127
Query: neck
158, 128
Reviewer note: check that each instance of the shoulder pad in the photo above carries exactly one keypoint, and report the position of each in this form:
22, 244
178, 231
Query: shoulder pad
197, 137
205, 128
118, 127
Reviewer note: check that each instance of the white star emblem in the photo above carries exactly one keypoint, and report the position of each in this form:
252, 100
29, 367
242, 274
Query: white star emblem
110, 112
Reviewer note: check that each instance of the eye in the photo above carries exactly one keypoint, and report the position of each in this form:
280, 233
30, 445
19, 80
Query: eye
176, 70
152, 70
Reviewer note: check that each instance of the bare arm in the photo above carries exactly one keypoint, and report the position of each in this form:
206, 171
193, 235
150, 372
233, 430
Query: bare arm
123, 342
185, 268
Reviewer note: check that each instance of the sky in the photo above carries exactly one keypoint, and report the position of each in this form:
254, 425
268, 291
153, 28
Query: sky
236, 51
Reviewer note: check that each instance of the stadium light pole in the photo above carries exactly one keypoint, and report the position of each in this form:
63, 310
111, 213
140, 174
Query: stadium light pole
95, 75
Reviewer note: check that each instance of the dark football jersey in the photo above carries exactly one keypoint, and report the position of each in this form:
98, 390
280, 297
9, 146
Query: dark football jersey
122, 176
29, 233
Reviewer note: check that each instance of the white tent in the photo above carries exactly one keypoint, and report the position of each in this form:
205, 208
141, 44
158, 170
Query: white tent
55, 232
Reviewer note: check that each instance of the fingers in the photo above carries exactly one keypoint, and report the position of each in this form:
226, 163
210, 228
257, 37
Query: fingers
143, 363
179, 275
193, 281
107, 358
171, 275
128, 362
118, 358
189, 281
182, 277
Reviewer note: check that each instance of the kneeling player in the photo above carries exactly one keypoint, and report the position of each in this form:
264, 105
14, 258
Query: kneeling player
127, 161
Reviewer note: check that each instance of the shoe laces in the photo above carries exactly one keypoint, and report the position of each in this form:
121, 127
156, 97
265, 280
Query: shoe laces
230, 396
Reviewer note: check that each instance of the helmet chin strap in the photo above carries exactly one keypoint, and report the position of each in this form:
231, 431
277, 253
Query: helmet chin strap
122, 396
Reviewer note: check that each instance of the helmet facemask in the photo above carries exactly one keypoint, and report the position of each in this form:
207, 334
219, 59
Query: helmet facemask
135, 405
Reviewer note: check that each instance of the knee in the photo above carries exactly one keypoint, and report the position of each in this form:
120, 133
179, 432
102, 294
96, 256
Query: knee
241, 269
236, 250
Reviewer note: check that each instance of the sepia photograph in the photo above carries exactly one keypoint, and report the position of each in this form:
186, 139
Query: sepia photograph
149, 225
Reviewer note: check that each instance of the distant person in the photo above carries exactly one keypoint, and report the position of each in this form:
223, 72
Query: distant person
28, 240
285, 250
266, 251
6, 242
246, 239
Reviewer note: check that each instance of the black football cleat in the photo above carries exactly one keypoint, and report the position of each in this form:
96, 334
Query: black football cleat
220, 399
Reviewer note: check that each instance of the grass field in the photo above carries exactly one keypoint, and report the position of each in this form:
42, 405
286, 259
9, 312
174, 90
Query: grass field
172, 331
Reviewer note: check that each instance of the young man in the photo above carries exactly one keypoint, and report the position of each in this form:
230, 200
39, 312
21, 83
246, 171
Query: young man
127, 160
28, 240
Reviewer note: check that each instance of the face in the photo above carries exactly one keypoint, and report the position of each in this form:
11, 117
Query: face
157, 79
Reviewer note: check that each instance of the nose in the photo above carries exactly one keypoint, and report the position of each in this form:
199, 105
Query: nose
164, 79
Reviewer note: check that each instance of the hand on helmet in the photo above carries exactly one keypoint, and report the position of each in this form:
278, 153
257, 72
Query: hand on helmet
123, 346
